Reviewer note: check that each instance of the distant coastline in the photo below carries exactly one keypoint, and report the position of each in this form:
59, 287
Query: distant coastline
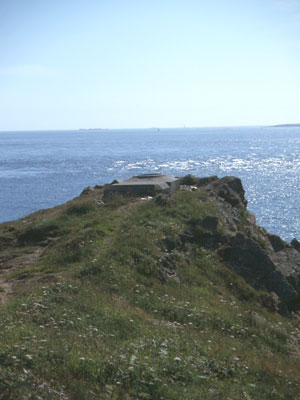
92, 129
287, 126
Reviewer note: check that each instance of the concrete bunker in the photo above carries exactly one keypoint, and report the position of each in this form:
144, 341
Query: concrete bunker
144, 185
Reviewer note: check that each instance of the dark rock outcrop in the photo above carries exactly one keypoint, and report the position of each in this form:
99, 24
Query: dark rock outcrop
249, 259
277, 243
210, 223
231, 190
295, 244
87, 190
206, 180
194, 180
264, 260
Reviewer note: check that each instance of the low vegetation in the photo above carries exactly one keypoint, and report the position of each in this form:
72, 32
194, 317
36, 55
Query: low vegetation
123, 303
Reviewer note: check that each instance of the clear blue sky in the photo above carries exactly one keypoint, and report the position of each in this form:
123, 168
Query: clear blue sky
68, 64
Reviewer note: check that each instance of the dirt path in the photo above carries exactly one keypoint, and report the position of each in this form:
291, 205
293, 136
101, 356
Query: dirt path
11, 265
10, 261
5, 290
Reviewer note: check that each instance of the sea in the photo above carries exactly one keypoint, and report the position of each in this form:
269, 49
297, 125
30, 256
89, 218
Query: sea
41, 169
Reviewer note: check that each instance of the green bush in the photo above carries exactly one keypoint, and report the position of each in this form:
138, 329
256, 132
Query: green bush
38, 233
189, 180
80, 209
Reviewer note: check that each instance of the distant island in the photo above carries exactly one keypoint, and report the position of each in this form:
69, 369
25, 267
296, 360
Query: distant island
287, 126
92, 129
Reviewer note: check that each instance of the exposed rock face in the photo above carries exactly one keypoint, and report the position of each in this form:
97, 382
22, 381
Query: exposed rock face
87, 190
231, 190
295, 244
277, 243
264, 260
248, 258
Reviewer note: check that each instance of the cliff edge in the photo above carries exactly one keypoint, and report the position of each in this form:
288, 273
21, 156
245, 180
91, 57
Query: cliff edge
264, 260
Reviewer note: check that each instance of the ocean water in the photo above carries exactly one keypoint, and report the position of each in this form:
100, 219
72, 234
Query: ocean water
43, 169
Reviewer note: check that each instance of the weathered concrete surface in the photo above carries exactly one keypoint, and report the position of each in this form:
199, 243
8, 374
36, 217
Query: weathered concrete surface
144, 185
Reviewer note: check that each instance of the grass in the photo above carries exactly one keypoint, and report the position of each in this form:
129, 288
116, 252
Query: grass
125, 304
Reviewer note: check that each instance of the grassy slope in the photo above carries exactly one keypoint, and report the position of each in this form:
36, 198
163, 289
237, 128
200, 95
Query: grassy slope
120, 306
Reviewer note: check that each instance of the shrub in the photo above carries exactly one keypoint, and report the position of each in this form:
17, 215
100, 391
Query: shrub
80, 209
38, 233
189, 180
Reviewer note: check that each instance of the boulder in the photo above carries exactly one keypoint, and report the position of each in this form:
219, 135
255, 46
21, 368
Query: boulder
231, 190
210, 223
277, 243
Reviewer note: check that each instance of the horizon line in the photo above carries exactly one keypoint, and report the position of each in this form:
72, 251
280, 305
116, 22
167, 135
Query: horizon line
145, 128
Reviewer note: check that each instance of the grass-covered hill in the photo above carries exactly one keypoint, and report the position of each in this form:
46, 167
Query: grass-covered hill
132, 298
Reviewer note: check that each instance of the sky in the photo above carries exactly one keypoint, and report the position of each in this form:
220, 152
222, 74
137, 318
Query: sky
69, 64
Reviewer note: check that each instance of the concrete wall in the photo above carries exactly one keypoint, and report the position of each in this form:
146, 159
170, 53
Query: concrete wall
144, 185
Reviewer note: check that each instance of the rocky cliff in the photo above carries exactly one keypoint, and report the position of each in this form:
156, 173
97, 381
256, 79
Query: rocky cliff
264, 260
